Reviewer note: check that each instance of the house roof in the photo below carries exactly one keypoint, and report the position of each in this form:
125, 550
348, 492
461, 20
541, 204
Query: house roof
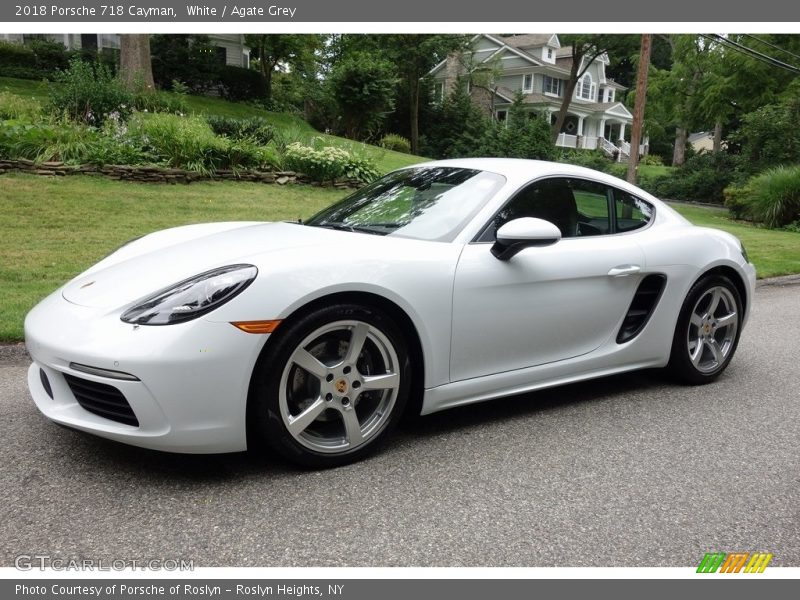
613, 84
529, 40
694, 137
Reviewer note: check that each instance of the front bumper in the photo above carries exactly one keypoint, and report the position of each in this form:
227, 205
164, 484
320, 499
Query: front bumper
193, 377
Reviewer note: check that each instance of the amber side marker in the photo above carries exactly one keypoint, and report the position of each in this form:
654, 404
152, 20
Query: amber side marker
257, 326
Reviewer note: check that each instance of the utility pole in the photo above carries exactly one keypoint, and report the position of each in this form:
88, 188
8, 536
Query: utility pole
638, 108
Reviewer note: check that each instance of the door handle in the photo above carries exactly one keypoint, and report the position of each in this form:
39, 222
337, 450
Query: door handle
624, 270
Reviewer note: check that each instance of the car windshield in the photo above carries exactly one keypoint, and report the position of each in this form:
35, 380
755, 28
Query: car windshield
425, 203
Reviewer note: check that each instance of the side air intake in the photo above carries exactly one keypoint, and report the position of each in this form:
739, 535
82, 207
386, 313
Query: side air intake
642, 306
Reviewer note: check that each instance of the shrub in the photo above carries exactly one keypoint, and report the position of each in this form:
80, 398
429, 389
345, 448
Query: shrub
456, 129
591, 159
189, 59
523, 134
769, 136
736, 201
257, 129
17, 60
393, 141
67, 142
182, 142
89, 94
17, 107
703, 177
239, 84
653, 160
50, 56
160, 102
773, 198
328, 163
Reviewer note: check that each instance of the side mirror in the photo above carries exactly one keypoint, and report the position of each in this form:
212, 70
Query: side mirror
524, 233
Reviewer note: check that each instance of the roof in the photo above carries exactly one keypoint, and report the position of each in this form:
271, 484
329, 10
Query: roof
613, 84
694, 137
527, 40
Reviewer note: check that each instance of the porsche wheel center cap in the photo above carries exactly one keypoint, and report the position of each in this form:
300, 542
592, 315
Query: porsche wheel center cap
341, 386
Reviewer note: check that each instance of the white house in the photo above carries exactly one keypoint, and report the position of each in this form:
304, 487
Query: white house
231, 47
496, 67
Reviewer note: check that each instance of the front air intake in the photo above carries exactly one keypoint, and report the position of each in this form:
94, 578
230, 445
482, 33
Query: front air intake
102, 399
642, 306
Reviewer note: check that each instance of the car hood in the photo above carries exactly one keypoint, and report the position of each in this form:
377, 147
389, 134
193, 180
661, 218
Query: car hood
167, 257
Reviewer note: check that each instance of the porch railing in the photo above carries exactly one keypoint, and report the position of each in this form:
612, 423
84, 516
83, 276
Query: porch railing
565, 140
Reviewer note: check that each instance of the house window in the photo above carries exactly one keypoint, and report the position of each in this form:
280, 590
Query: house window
610, 93
527, 83
502, 115
438, 91
553, 86
585, 88
550, 53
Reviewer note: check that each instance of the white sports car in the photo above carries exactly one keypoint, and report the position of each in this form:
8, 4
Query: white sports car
439, 285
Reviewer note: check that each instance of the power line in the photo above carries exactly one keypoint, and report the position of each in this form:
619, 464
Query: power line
746, 50
771, 45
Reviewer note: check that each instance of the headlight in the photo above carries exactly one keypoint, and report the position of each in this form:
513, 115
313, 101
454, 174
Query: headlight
193, 297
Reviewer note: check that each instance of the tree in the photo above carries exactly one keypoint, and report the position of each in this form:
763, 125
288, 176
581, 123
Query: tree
524, 134
638, 112
585, 49
364, 89
291, 51
135, 66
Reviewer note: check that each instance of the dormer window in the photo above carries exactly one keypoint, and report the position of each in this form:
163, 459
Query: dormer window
550, 53
438, 92
586, 88
527, 83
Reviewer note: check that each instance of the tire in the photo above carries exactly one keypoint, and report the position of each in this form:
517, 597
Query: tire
320, 404
707, 331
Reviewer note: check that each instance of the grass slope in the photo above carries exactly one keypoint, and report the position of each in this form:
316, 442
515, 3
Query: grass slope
386, 160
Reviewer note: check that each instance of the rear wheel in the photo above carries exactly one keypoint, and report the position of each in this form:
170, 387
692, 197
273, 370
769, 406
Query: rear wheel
332, 387
707, 332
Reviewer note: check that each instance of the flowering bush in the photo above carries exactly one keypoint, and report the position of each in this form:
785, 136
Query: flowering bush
89, 93
328, 163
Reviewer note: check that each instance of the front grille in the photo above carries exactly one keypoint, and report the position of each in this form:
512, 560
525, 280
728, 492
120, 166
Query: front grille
101, 399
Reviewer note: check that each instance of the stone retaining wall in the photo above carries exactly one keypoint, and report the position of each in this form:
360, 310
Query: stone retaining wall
147, 174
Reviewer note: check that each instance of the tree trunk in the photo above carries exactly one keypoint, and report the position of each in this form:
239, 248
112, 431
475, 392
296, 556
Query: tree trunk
568, 91
638, 109
135, 67
414, 106
717, 137
679, 152
268, 84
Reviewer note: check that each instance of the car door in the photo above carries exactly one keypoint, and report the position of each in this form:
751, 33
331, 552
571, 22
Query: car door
549, 303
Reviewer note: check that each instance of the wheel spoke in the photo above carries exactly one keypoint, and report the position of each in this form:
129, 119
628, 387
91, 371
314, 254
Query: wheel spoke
696, 320
358, 336
726, 320
380, 382
352, 427
697, 352
299, 423
715, 298
715, 350
303, 359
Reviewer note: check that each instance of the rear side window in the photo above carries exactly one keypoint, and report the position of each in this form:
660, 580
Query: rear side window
631, 212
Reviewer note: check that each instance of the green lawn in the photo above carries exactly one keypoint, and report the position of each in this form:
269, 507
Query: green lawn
53, 228
386, 160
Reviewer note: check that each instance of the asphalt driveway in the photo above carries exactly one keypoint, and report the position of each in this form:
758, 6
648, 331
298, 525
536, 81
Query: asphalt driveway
627, 471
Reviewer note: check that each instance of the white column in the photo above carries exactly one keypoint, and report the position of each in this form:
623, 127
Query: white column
602, 132
580, 125
622, 131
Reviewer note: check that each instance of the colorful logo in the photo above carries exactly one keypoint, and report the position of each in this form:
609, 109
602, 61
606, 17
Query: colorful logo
734, 562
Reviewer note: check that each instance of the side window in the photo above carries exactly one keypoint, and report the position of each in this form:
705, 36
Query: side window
631, 212
576, 207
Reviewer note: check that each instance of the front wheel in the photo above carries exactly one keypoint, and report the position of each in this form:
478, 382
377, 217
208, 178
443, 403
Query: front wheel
707, 332
332, 387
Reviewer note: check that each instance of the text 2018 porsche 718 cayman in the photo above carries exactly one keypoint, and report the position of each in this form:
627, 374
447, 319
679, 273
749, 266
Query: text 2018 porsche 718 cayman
441, 284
